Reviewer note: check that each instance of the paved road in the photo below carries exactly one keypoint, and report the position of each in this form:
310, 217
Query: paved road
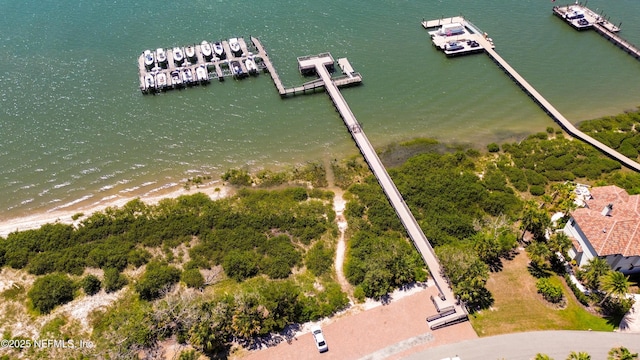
524, 346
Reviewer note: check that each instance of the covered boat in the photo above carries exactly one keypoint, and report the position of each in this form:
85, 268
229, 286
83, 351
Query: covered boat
178, 55
161, 56
250, 63
205, 47
202, 75
190, 51
219, 50
148, 58
234, 45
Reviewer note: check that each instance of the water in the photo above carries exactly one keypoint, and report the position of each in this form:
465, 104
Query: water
75, 130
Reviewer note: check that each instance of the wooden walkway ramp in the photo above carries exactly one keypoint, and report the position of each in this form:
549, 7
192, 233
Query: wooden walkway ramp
395, 198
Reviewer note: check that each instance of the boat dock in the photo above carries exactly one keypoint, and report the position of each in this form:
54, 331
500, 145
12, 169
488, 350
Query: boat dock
548, 108
581, 18
449, 311
457, 36
156, 76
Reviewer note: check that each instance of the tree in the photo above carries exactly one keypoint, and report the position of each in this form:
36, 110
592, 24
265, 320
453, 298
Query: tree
50, 291
559, 242
579, 356
614, 283
535, 220
621, 353
539, 254
593, 271
91, 285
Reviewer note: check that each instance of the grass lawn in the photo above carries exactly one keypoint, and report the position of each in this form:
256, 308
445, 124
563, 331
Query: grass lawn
518, 307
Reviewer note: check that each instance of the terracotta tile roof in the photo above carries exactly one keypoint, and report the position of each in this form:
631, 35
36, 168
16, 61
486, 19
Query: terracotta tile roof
618, 233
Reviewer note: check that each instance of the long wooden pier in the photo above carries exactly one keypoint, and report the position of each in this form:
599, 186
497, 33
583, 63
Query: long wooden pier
546, 105
581, 17
447, 300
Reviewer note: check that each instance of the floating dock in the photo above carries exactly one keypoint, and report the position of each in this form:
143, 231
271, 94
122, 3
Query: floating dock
545, 105
157, 76
449, 310
178, 70
457, 36
581, 18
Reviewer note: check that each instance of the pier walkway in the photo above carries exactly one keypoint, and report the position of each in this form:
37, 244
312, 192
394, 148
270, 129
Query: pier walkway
581, 17
488, 47
420, 241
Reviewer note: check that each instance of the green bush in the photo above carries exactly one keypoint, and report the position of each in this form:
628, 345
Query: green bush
536, 190
192, 278
156, 278
580, 296
319, 259
552, 293
91, 285
493, 147
240, 265
237, 177
50, 291
113, 280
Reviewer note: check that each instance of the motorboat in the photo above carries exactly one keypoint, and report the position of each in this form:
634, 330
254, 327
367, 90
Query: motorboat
234, 45
250, 63
202, 75
176, 79
236, 69
148, 58
453, 46
161, 56
161, 81
149, 82
219, 50
178, 55
190, 52
205, 47
187, 76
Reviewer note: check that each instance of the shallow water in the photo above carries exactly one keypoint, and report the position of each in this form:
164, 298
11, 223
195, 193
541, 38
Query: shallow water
75, 129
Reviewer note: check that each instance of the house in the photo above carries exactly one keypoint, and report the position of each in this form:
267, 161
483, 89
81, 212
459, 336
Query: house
608, 226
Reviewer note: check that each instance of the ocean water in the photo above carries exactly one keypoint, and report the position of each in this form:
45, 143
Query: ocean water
75, 129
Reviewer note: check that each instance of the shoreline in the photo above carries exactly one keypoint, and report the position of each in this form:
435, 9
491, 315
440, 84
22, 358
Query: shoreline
214, 189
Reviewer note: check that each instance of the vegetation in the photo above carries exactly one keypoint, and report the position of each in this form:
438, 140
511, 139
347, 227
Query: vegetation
50, 291
621, 353
91, 285
548, 290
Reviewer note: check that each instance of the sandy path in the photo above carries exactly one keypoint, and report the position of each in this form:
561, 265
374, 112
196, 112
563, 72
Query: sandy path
339, 205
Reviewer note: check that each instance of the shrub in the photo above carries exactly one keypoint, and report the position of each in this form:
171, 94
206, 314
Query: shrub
237, 177
155, 279
493, 147
536, 190
192, 278
550, 292
319, 259
91, 285
580, 296
113, 280
240, 265
50, 291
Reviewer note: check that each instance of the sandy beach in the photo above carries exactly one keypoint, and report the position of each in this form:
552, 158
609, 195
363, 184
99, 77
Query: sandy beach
213, 189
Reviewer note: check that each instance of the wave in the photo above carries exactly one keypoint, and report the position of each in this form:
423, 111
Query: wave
71, 203
58, 186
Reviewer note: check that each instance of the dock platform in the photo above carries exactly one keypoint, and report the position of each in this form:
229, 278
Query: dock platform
551, 110
582, 18
457, 36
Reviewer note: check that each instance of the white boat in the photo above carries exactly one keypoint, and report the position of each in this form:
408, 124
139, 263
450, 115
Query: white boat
176, 79
149, 82
234, 45
190, 51
161, 56
187, 76
205, 47
236, 69
453, 46
178, 55
161, 81
251, 66
148, 58
202, 75
218, 49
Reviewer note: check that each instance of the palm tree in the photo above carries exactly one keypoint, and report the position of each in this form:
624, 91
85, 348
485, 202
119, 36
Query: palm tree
542, 357
593, 271
579, 356
621, 353
614, 283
